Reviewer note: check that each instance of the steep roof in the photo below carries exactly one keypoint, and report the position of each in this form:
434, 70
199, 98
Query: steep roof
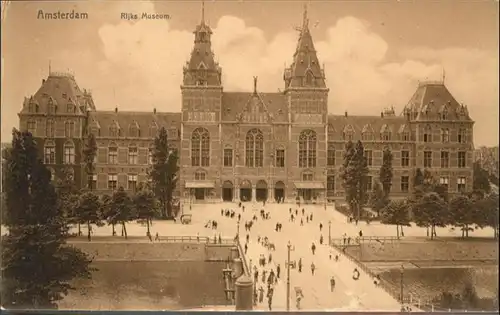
305, 70
432, 99
338, 124
125, 119
235, 104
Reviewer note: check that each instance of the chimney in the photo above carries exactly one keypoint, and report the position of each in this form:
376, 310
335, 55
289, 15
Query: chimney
116, 109
43, 81
254, 85
381, 114
154, 110
345, 114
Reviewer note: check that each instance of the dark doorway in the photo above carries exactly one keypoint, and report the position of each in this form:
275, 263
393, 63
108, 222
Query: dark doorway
279, 191
227, 191
306, 194
246, 194
199, 193
261, 191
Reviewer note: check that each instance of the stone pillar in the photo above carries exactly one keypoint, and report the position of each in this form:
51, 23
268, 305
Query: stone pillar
244, 293
237, 267
254, 193
270, 194
237, 193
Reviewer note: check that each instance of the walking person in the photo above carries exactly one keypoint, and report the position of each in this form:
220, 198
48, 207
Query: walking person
313, 248
313, 267
320, 227
300, 264
278, 271
261, 294
321, 240
332, 283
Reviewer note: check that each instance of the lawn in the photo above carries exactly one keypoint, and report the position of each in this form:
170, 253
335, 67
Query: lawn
124, 285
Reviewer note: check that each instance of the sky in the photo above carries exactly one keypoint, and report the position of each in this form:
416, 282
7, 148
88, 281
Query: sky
374, 52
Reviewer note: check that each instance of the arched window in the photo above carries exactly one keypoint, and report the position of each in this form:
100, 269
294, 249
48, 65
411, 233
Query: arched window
445, 135
69, 153
307, 148
50, 129
462, 135
254, 148
49, 152
200, 147
113, 153
427, 134
31, 126
69, 129
200, 175
114, 131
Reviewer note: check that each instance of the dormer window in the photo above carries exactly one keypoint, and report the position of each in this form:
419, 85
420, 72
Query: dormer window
70, 108
153, 130
367, 135
64, 95
134, 130
114, 131
386, 136
309, 78
444, 114
405, 136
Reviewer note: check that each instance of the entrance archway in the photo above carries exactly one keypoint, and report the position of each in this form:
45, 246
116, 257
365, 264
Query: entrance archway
261, 190
227, 191
245, 190
199, 193
279, 191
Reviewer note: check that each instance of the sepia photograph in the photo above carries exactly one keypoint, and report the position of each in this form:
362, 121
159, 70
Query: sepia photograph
251, 155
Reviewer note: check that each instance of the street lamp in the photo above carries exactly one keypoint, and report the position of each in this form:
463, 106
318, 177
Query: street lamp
238, 229
329, 232
402, 270
289, 246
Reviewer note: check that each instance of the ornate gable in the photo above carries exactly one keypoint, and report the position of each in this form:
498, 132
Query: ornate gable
255, 111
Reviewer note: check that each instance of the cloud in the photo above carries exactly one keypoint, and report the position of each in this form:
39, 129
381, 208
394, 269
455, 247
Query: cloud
142, 63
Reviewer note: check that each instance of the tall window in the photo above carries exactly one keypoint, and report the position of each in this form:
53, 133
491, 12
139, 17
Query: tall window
280, 158
200, 147
50, 153
330, 159
50, 129
461, 184
386, 136
330, 186
405, 183
200, 175
254, 148
369, 183
307, 177
405, 136
427, 134
348, 135
32, 127
69, 129
462, 135
427, 158
70, 108
445, 159
462, 159
133, 130
445, 135
405, 158
444, 114
112, 181
307, 148
114, 131
133, 155
132, 182
228, 157
69, 153
443, 181
369, 157
113, 154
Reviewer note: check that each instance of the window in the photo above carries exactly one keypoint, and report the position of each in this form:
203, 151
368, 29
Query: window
309, 78
445, 135
50, 129
133, 130
200, 147
461, 184
427, 159
132, 182
445, 159
386, 136
200, 175
405, 158
428, 134
367, 135
228, 157
405, 183
70, 108
254, 148
444, 114
113, 154
112, 182
330, 159
330, 186
462, 136
307, 177
32, 127
153, 130
93, 181
114, 131
369, 157
50, 153
133, 156
405, 136
69, 153
443, 181
150, 154
69, 129
347, 135
280, 158
307, 149
461, 159
368, 183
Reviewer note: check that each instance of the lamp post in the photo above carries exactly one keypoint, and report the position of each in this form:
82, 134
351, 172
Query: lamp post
402, 270
289, 246
329, 232
238, 229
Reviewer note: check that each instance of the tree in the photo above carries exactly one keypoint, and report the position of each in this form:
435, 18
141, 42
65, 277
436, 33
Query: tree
89, 211
145, 206
430, 211
37, 265
378, 199
487, 209
89, 155
396, 213
68, 197
480, 179
109, 212
348, 175
164, 172
462, 213
386, 172
122, 208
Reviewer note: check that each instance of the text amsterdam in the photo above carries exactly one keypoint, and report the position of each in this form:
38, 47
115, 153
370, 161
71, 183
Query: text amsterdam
144, 16
72, 15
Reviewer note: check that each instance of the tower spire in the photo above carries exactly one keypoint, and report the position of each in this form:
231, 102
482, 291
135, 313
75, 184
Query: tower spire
203, 12
305, 19
444, 75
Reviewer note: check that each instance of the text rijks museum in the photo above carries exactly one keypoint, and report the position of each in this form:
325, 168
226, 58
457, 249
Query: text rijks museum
252, 145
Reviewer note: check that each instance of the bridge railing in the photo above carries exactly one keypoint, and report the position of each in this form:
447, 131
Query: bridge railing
196, 239
354, 241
